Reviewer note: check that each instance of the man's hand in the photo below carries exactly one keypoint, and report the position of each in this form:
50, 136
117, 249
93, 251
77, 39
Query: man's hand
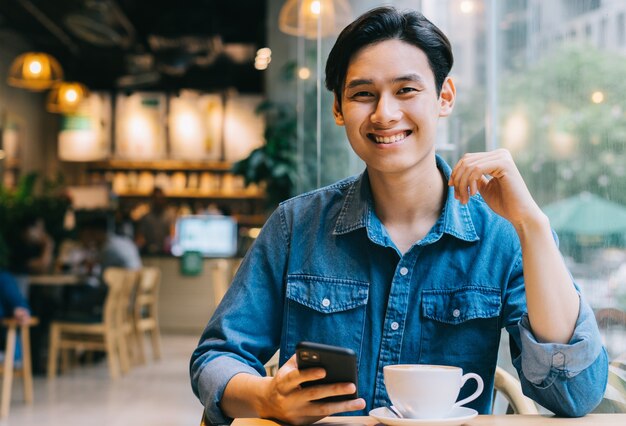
285, 399
506, 193
22, 315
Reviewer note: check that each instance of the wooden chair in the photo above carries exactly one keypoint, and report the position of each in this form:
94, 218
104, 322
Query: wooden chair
106, 335
146, 318
203, 420
125, 322
511, 389
8, 369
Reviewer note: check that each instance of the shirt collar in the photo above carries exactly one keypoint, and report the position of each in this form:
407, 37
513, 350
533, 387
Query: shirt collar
455, 218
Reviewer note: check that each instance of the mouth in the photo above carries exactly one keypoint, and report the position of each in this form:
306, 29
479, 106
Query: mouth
389, 139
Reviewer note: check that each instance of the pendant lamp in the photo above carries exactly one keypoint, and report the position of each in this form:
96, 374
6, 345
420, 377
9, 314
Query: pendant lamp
301, 17
65, 97
35, 71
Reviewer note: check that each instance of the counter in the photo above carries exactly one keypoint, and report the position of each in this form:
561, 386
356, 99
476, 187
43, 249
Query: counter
187, 302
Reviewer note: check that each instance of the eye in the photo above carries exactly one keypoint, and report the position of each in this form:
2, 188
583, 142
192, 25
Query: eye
361, 94
407, 90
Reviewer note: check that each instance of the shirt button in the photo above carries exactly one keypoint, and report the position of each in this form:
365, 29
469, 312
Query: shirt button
404, 271
395, 325
456, 313
558, 360
326, 303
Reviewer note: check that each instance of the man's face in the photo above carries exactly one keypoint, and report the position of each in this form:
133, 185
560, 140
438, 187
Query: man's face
390, 106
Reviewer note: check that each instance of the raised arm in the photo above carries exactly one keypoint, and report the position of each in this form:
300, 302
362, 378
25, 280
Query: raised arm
555, 346
552, 299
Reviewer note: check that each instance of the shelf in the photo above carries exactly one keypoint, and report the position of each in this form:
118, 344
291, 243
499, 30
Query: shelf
197, 194
161, 165
10, 163
250, 219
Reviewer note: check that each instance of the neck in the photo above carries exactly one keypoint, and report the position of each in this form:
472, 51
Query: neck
408, 203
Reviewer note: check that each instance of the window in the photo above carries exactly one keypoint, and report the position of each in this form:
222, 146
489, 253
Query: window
621, 30
602, 32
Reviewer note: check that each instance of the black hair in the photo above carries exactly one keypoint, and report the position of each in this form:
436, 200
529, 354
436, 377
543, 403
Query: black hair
387, 23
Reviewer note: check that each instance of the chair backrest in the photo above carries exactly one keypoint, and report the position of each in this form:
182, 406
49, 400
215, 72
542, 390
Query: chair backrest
203, 420
147, 291
120, 282
509, 387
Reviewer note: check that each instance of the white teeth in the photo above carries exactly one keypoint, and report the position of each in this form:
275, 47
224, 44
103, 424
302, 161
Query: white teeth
390, 139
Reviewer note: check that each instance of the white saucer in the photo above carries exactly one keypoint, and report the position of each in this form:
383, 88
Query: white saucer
458, 416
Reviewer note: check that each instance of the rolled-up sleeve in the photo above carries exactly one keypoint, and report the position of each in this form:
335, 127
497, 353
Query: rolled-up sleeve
244, 332
211, 380
568, 379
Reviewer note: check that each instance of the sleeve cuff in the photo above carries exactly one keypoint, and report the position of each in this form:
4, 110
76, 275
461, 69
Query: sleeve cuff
212, 382
543, 360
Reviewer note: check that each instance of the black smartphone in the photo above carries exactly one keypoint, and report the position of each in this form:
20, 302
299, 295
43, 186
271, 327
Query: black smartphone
339, 363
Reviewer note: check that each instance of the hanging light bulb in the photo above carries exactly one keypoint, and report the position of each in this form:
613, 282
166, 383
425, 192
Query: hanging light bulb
35, 71
301, 17
65, 97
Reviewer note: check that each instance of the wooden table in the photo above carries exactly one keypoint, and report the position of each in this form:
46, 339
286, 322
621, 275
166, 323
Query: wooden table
482, 420
47, 299
54, 279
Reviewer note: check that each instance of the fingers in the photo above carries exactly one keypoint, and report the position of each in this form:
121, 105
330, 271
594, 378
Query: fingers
320, 409
468, 176
315, 411
289, 401
330, 408
22, 315
314, 393
289, 377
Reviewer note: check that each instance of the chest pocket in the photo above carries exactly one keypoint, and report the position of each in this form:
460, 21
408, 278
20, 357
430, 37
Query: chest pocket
461, 322
325, 310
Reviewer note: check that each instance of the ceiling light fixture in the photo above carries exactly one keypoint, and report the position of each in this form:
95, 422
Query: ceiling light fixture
65, 97
35, 71
301, 17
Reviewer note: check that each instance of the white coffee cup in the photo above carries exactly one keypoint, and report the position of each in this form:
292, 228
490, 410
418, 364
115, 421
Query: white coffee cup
427, 391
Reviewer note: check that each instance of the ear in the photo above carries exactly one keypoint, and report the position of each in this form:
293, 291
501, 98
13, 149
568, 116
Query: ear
447, 97
337, 112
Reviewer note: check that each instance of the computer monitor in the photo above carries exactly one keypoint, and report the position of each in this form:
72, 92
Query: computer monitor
211, 235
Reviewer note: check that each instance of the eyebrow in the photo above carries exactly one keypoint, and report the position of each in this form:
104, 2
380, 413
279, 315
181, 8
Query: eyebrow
364, 82
409, 77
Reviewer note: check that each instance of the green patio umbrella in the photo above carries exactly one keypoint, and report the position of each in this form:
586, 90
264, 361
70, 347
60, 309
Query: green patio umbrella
587, 215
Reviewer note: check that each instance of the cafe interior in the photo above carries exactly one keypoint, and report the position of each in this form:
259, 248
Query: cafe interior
164, 133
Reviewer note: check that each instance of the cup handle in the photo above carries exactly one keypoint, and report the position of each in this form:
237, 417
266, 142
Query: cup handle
479, 388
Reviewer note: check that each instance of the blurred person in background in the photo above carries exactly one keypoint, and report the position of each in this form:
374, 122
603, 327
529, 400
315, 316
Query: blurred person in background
108, 249
103, 249
13, 304
32, 252
154, 230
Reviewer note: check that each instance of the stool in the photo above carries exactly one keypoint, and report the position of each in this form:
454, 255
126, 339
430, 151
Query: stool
8, 370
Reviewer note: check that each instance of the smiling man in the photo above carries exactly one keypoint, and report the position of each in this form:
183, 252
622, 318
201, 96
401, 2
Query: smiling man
409, 262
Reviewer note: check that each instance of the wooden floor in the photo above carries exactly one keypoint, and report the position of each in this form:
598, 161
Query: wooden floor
158, 393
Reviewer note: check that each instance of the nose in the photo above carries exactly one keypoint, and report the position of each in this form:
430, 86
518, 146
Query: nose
387, 111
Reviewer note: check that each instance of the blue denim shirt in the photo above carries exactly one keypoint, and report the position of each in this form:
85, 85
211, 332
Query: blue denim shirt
324, 269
